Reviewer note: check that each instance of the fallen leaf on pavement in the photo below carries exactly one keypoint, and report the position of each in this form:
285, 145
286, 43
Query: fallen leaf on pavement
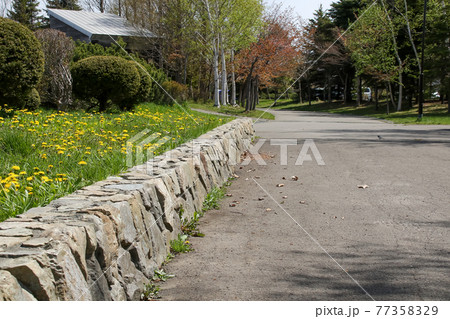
363, 186
232, 205
284, 197
280, 185
229, 195
268, 209
294, 178
302, 202
261, 198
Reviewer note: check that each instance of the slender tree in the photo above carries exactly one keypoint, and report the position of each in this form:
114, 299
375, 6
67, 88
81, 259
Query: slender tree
272, 57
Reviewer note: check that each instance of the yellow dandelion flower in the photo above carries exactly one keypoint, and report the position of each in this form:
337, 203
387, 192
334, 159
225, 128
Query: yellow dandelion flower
16, 168
82, 163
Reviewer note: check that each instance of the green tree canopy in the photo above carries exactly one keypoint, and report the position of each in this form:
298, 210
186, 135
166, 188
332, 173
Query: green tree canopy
63, 4
26, 12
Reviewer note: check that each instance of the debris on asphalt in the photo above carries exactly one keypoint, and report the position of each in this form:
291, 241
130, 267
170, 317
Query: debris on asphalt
280, 185
294, 178
363, 186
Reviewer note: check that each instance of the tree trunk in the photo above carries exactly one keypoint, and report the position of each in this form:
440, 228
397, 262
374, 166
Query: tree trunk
376, 98
400, 92
216, 74
256, 92
309, 93
241, 95
300, 98
185, 69
249, 95
359, 98
391, 94
329, 88
224, 99
448, 94
233, 80
248, 87
346, 88
387, 98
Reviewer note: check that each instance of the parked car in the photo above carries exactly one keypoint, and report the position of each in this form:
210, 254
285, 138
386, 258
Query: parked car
435, 95
367, 94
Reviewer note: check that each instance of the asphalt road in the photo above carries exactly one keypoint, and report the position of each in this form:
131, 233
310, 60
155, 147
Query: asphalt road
322, 237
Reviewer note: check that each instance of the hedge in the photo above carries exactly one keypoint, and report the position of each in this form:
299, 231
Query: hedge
105, 78
21, 63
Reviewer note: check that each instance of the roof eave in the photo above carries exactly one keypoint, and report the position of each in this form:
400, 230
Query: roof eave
73, 25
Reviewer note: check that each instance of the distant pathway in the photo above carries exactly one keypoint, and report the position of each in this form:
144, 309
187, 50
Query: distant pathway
391, 239
215, 113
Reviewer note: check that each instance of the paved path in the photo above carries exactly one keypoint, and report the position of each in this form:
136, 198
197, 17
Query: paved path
216, 113
329, 239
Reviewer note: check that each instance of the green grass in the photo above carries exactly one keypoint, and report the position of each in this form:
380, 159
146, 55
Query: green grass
151, 292
434, 113
212, 200
48, 154
233, 111
180, 245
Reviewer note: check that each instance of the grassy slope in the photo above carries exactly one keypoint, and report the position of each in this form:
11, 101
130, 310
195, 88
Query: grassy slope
434, 113
230, 110
46, 155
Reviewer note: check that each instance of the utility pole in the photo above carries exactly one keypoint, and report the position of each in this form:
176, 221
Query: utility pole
421, 95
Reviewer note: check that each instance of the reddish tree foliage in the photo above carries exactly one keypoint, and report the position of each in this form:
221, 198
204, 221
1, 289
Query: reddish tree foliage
274, 55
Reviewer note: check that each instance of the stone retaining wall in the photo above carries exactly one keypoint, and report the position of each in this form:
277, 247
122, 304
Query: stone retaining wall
104, 241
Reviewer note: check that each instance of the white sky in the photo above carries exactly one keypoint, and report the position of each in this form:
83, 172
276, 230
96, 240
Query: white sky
304, 8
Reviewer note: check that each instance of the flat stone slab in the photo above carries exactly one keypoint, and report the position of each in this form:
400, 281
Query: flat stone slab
16, 232
36, 242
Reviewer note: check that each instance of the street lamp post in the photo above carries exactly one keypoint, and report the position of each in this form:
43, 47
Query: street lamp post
421, 95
